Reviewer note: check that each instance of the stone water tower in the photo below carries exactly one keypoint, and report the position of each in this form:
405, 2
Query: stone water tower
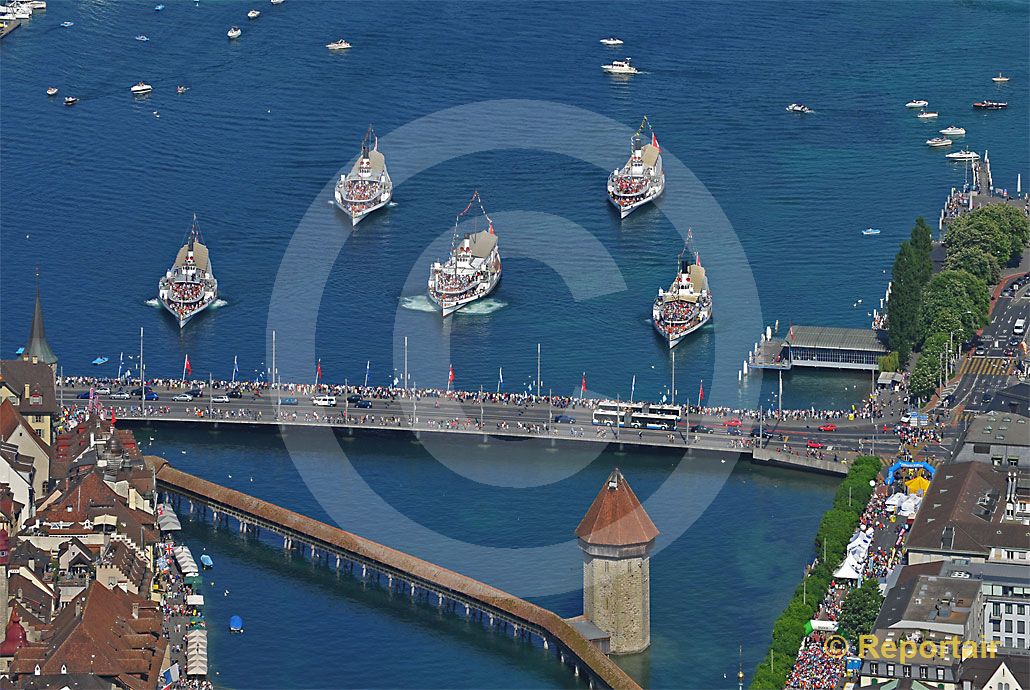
616, 536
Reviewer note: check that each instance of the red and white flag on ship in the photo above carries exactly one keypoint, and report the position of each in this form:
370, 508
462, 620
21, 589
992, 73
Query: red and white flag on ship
654, 142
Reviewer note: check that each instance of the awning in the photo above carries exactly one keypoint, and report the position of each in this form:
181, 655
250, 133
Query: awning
847, 571
195, 600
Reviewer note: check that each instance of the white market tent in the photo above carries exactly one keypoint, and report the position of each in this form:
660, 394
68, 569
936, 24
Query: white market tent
847, 571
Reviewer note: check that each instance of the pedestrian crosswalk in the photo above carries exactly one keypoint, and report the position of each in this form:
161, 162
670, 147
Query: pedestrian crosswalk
989, 366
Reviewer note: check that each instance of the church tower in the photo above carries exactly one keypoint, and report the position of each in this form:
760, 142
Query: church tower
617, 536
38, 347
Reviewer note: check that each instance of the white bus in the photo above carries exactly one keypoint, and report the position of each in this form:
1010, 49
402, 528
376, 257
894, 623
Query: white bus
656, 417
612, 413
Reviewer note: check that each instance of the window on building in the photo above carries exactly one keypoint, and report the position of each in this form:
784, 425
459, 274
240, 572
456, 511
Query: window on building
940, 673
874, 668
996, 609
924, 673
996, 626
1021, 627
906, 671
890, 670
1008, 625
1008, 609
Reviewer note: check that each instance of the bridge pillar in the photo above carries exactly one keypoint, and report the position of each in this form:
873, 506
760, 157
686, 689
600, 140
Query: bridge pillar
491, 619
439, 600
412, 594
337, 561
364, 570
312, 552
514, 630
243, 526
554, 442
575, 670
389, 582
466, 610
545, 642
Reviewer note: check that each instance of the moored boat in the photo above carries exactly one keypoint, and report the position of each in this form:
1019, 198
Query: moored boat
620, 67
51, 91
338, 45
234, 32
938, 142
798, 108
142, 38
919, 103
687, 305
1000, 79
963, 155
990, 105
473, 269
611, 41
927, 115
235, 622
253, 14
953, 131
181, 88
189, 286
642, 179
141, 89
367, 186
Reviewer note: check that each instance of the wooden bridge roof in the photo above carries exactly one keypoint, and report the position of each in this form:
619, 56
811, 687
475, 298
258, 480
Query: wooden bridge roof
604, 668
616, 518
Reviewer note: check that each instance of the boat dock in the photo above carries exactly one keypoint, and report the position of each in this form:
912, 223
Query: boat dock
820, 347
398, 572
8, 25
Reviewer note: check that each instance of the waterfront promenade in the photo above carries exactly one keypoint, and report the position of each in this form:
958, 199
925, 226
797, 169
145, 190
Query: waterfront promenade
401, 573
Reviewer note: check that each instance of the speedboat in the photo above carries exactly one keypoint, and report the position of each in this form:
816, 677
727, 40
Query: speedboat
473, 269
181, 88
99, 361
338, 45
927, 115
37, 4
234, 32
158, 8
620, 67
611, 41
990, 105
642, 179
938, 142
253, 14
871, 231
189, 286
52, 91
798, 108
686, 305
70, 100
1000, 79
963, 155
143, 38
367, 186
67, 24
917, 104
278, 2
953, 131
141, 89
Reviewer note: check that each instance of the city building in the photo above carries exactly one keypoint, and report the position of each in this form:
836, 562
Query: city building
617, 536
1000, 673
28, 384
16, 431
999, 438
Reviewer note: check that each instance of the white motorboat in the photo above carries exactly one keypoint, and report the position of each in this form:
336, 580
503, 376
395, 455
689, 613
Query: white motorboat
990, 105
871, 231
338, 45
927, 115
52, 91
67, 25
234, 32
189, 286
953, 131
798, 108
687, 305
917, 104
620, 67
253, 14
141, 89
611, 41
142, 38
473, 269
70, 100
367, 186
278, 2
1000, 79
37, 5
963, 155
181, 89
158, 8
642, 179
937, 142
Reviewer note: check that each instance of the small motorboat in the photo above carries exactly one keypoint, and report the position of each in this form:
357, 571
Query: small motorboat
917, 104
67, 24
963, 155
927, 115
611, 41
70, 100
338, 45
158, 8
181, 88
142, 38
953, 131
141, 89
871, 231
253, 14
52, 91
990, 105
1000, 79
938, 142
234, 32
99, 360
620, 67
235, 622
798, 108
206, 561
278, 2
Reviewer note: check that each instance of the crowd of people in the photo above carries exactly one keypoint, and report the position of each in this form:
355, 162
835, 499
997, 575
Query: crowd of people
361, 190
677, 316
187, 292
814, 668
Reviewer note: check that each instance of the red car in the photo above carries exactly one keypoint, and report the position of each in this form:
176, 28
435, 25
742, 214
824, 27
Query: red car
828, 427
731, 422
816, 444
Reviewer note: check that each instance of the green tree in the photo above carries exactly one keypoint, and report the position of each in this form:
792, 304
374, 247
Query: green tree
976, 261
952, 296
860, 609
928, 369
980, 230
1013, 223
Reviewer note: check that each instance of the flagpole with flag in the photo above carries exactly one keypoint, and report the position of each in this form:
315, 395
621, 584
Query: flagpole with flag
500, 378
368, 365
121, 355
450, 378
186, 368
701, 393
318, 371
235, 368
632, 388
583, 387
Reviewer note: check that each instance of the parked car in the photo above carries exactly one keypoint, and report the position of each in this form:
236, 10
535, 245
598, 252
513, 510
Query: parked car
120, 395
980, 350
363, 404
220, 399
985, 398
701, 429
815, 444
564, 419
104, 390
828, 427
288, 401
183, 397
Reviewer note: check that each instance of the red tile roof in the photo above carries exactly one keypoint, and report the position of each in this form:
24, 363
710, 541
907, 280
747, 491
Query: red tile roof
616, 518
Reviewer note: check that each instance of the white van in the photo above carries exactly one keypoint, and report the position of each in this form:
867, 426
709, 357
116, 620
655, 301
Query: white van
1020, 327
324, 401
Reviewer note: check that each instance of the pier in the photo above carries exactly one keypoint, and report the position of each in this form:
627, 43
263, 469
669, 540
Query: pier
820, 347
400, 573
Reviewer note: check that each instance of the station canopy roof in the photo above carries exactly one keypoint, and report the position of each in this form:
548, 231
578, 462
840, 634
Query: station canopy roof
864, 339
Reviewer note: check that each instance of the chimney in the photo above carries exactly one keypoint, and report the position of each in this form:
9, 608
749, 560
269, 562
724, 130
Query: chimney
26, 394
135, 610
35, 359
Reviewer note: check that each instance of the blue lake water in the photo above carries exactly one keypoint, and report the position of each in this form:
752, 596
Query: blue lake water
99, 196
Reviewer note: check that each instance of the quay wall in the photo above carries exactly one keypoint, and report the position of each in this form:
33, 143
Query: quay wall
318, 534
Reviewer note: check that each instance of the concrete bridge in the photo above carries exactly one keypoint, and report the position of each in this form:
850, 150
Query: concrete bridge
399, 572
